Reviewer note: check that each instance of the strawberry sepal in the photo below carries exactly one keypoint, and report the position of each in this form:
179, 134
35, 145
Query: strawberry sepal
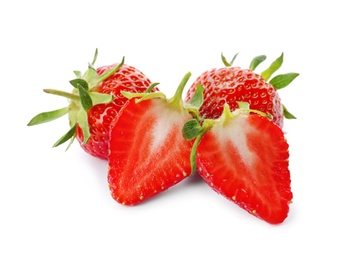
143, 96
68, 135
48, 116
287, 113
82, 99
256, 61
226, 63
283, 80
272, 68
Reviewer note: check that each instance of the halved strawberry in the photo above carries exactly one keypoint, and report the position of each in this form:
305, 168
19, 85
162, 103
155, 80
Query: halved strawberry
244, 157
148, 153
232, 84
94, 102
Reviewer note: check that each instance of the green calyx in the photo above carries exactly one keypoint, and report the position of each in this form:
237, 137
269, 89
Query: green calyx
176, 101
147, 94
225, 61
82, 98
191, 129
278, 81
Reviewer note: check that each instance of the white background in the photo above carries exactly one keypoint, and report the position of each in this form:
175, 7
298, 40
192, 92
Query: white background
56, 204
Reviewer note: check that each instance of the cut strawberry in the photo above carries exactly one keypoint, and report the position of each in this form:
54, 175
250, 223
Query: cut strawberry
244, 157
148, 153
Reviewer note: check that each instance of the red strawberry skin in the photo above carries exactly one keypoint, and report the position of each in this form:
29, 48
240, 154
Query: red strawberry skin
100, 117
247, 162
234, 84
148, 153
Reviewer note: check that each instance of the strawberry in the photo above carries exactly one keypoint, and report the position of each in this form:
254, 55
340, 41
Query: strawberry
147, 151
244, 157
94, 102
232, 84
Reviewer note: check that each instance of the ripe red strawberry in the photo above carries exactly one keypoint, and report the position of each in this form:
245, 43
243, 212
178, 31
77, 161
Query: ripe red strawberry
148, 153
244, 157
95, 101
234, 84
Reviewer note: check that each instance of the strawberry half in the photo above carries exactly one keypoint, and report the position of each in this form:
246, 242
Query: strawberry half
94, 102
148, 153
233, 84
244, 157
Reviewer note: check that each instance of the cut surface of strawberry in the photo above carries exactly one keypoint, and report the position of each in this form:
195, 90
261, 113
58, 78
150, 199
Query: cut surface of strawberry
148, 153
244, 157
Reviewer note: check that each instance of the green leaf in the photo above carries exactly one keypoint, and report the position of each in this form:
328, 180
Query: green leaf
143, 96
70, 142
287, 114
94, 80
197, 99
79, 82
151, 87
85, 98
256, 61
82, 117
48, 116
91, 77
95, 57
100, 98
192, 129
273, 68
226, 63
77, 73
66, 137
283, 80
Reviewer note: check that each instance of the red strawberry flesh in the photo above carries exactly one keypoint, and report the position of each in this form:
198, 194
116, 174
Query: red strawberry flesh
247, 162
148, 153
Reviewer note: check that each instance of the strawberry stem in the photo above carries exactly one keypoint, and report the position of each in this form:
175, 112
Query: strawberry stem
193, 156
176, 101
68, 95
226, 115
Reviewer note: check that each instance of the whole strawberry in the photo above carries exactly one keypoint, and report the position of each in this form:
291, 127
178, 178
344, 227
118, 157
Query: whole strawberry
94, 102
232, 84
